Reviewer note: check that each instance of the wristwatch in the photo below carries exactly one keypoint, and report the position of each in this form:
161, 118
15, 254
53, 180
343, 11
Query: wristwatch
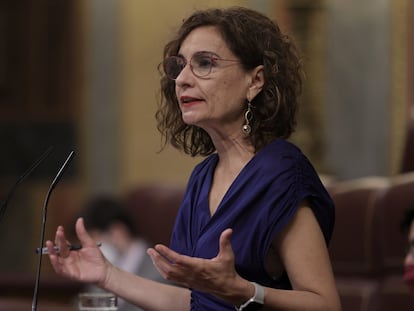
255, 302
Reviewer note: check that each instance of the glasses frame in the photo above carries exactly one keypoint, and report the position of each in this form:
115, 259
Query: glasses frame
213, 58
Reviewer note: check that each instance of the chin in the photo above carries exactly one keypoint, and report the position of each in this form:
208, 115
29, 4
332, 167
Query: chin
190, 120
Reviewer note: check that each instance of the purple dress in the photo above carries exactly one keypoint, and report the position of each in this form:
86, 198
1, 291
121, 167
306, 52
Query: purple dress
257, 206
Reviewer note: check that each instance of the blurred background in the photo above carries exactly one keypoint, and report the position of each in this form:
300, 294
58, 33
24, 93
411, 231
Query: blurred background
82, 75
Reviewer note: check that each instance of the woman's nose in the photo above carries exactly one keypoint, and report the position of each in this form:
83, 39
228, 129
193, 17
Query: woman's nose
185, 76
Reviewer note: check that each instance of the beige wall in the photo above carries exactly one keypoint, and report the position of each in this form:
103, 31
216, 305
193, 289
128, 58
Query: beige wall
144, 28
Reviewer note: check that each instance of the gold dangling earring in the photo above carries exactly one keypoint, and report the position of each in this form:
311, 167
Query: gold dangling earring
248, 116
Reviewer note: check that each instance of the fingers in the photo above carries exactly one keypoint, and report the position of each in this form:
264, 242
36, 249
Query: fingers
60, 242
50, 247
157, 260
163, 258
63, 244
54, 257
167, 253
172, 257
168, 261
196, 272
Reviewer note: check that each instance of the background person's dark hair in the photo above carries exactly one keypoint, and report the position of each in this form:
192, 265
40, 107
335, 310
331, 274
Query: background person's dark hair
255, 40
102, 211
407, 219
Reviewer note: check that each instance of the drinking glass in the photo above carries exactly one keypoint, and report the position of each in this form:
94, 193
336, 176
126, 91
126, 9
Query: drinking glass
97, 302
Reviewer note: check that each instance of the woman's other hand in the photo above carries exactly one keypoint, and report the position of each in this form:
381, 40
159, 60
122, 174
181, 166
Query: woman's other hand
216, 276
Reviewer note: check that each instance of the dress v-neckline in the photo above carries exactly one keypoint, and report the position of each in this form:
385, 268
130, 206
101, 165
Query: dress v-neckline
210, 179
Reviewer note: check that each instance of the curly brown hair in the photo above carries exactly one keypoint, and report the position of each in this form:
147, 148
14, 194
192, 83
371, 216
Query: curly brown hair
255, 40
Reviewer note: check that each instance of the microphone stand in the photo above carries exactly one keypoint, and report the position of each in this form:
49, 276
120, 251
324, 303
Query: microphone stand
42, 233
21, 178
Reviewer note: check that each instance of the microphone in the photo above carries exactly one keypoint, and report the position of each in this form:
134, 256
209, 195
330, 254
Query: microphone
5, 203
42, 232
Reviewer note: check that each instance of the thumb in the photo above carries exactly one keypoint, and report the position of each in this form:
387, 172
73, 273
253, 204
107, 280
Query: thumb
225, 244
83, 235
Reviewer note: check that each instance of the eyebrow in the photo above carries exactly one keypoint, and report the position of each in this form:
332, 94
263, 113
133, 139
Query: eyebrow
200, 52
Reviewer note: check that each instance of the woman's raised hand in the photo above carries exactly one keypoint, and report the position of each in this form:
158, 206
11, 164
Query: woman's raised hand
86, 264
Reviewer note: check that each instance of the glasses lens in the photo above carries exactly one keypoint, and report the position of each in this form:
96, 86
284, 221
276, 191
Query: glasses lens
201, 64
173, 66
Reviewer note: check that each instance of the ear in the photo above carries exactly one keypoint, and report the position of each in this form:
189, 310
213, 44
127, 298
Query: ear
256, 82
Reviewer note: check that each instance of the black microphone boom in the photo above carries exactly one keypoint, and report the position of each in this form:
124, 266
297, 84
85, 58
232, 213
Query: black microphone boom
42, 232
5, 203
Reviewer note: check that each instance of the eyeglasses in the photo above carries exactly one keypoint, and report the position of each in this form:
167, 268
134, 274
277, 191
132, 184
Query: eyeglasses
201, 64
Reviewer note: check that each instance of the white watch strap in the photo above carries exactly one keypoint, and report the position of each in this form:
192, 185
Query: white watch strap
258, 297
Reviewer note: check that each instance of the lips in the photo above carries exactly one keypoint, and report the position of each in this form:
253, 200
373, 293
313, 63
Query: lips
185, 100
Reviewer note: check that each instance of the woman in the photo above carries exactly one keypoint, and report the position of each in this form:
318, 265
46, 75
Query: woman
255, 220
